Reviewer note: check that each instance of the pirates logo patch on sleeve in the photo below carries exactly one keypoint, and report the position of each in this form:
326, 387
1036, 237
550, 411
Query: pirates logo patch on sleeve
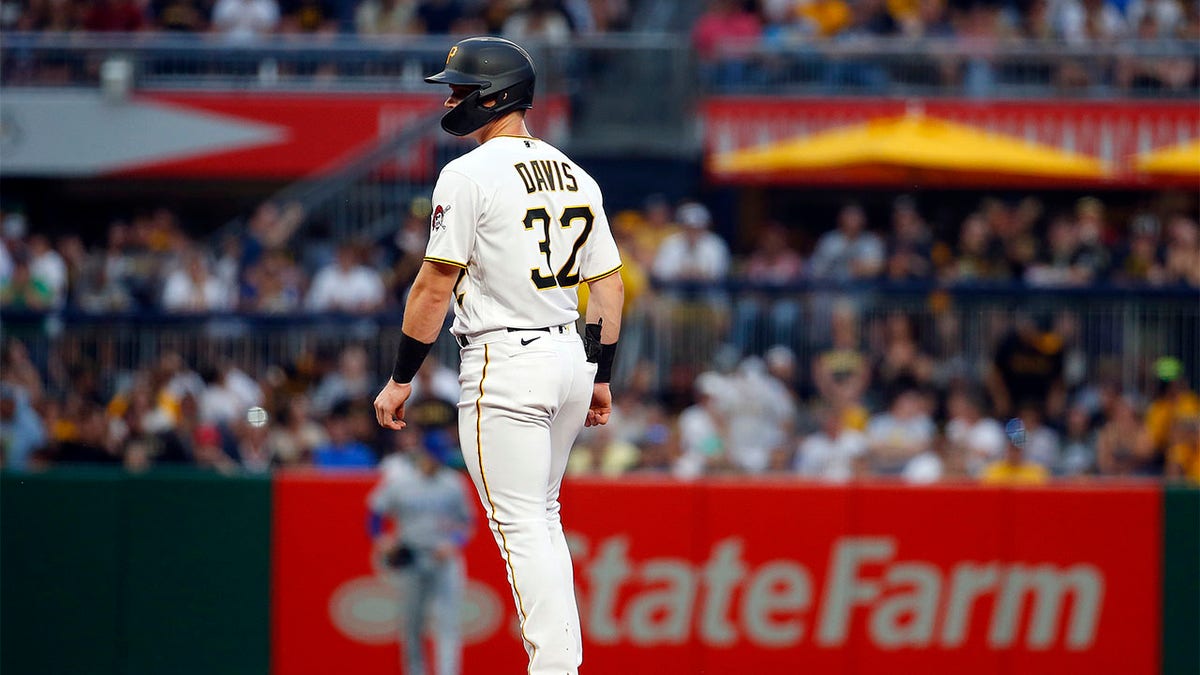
439, 217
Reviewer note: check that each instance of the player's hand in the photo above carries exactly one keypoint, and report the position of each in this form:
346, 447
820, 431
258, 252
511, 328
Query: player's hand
445, 550
389, 405
601, 406
384, 544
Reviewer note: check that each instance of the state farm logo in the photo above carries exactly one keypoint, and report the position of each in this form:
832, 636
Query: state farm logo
905, 603
366, 609
779, 604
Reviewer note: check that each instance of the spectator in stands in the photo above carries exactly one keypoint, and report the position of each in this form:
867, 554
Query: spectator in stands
848, 252
346, 285
1027, 369
1014, 468
21, 429
50, 16
245, 20
781, 365
351, 381
539, 19
386, 17
1042, 444
438, 17
695, 254
899, 435
842, 372
210, 451
191, 288
1121, 443
293, 441
703, 437
1093, 259
1079, 444
408, 246
435, 380
834, 453
773, 314
716, 37
309, 16
900, 364
953, 366
1060, 266
1173, 401
603, 452
1183, 252
180, 16
46, 265
22, 290
981, 439
605, 16
270, 228
228, 393
979, 256
1142, 262
124, 16
274, 285
87, 441
251, 447
1183, 457
910, 246
342, 450
1013, 227
760, 414
1080, 22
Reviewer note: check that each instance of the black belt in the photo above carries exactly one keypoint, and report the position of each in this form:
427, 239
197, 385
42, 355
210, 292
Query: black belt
563, 328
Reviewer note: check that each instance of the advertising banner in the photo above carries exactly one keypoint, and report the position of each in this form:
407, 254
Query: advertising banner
766, 577
1116, 133
236, 135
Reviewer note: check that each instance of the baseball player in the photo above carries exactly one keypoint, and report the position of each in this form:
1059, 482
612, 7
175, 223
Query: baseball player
516, 227
429, 504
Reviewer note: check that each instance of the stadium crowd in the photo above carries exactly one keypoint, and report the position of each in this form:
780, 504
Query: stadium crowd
771, 43
820, 384
244, 20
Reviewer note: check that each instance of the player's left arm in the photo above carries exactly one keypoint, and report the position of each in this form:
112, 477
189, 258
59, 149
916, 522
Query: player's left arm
606, 298
424, 314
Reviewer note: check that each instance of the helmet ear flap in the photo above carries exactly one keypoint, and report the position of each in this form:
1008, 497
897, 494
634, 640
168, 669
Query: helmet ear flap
470, 113
467, 116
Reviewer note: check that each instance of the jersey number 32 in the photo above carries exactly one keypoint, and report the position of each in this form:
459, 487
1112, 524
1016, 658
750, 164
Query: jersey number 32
566, 276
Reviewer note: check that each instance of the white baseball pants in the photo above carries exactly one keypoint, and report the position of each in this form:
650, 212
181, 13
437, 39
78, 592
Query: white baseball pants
525, 395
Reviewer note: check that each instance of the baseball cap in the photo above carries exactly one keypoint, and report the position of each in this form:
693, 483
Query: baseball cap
1015, 430
693, 214
1168, 368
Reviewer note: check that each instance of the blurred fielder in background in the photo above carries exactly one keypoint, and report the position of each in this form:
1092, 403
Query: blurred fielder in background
429, 505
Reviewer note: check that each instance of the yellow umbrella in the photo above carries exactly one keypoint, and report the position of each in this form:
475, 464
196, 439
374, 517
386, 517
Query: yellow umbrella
1178, 160
934, 147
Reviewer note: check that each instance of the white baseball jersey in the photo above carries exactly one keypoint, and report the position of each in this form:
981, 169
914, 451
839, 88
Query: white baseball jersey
526, 225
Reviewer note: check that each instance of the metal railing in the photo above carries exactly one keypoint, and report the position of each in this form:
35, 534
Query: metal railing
1107, 333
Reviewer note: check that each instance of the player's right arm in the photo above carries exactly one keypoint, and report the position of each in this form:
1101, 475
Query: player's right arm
424, 313
606, 298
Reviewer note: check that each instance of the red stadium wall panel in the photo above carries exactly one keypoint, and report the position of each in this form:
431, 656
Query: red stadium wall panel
739, 577
1114, 132
227, 135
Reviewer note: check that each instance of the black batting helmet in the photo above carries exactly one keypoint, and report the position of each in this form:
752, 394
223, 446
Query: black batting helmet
500, 70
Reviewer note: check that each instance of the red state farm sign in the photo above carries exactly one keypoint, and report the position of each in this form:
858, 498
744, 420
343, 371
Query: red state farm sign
742, 578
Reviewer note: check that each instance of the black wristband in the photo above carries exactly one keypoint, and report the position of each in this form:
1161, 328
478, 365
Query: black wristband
409, 356
591, 342
604, 364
